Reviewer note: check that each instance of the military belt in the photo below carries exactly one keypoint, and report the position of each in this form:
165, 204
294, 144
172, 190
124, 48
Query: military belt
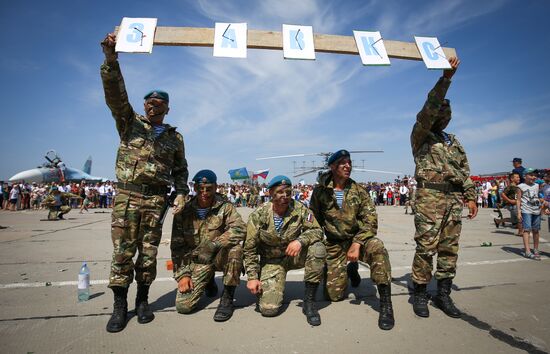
334, 239
144, 188
442, 187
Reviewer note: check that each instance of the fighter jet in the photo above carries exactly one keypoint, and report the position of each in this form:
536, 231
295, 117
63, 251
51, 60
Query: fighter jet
55, 171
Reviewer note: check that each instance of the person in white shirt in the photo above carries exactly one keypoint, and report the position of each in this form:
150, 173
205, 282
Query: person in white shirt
403, 194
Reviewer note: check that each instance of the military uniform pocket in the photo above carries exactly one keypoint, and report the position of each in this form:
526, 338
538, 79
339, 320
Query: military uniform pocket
270, 238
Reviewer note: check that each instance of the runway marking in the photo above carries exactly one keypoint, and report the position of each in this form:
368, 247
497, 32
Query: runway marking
294, 272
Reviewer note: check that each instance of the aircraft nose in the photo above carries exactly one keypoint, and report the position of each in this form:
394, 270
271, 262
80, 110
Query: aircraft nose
32, 175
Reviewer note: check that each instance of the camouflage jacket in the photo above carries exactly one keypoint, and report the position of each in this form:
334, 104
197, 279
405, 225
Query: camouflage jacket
143, 158
356, 220
263, 240
437, 162
222, 225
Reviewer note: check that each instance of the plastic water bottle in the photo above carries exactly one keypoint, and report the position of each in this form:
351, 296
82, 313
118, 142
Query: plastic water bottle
84, 283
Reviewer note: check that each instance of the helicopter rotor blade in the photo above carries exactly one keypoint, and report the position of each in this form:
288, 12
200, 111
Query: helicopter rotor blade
365, 151
377, 171
284, 156
307, 172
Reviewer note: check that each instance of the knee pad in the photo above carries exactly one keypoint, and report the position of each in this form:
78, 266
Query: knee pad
319, 250
269, 312
183, 309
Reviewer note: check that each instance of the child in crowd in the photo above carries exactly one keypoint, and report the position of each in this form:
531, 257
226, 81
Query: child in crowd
528, 209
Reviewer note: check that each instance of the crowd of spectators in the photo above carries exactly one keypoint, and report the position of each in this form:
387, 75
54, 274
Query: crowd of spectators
29, 196
395, 193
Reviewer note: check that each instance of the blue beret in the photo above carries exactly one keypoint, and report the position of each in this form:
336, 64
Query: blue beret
205, 176
163, 95
277, 180
517, 159
337, 156
529, 171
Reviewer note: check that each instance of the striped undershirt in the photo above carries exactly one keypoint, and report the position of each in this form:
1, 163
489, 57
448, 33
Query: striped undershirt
278, 221
201, 213
446, 138
159, 129
339, 197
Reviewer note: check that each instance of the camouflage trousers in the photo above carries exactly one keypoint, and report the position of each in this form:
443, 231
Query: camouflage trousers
135, 227
373, 253
228, 260
438, 223
273, 274
55, 212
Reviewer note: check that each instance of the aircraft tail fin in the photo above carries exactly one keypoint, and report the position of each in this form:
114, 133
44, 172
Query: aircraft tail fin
88, 166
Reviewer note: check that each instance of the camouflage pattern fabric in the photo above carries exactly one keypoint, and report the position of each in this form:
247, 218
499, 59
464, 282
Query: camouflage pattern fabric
201, 247
356, 221
437, 162
438, 223
227, 260
143, 158
264, 250
135, 227
373, 253
273, 274
438, 215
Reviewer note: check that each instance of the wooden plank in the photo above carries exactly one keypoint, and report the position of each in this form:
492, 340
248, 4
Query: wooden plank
324, 43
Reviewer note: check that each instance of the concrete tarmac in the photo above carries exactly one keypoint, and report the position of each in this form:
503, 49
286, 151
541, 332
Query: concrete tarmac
505, 297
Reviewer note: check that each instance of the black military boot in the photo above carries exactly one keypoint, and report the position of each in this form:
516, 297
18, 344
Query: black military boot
420, 300
211, 289
309, 309
225, 307
143, 311
443, 300
385, 319
117, 322
353, 274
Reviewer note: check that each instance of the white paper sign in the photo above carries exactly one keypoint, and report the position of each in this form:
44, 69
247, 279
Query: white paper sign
371, 48
432, 53
298, 42
136, 35
230, 40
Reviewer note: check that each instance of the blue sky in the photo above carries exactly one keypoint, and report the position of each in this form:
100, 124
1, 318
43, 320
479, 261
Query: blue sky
232, 111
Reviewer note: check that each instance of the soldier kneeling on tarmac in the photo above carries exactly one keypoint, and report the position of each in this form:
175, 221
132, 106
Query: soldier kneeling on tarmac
55, 203
206, 237
282, 235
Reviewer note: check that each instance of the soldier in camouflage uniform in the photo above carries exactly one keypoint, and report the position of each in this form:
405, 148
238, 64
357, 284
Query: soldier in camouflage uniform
282, 235
55, 203
348, 216
150, 158
206, 237
442, 175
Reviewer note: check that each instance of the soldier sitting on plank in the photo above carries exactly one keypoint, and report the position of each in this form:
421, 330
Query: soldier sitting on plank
206, 237
282, 235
